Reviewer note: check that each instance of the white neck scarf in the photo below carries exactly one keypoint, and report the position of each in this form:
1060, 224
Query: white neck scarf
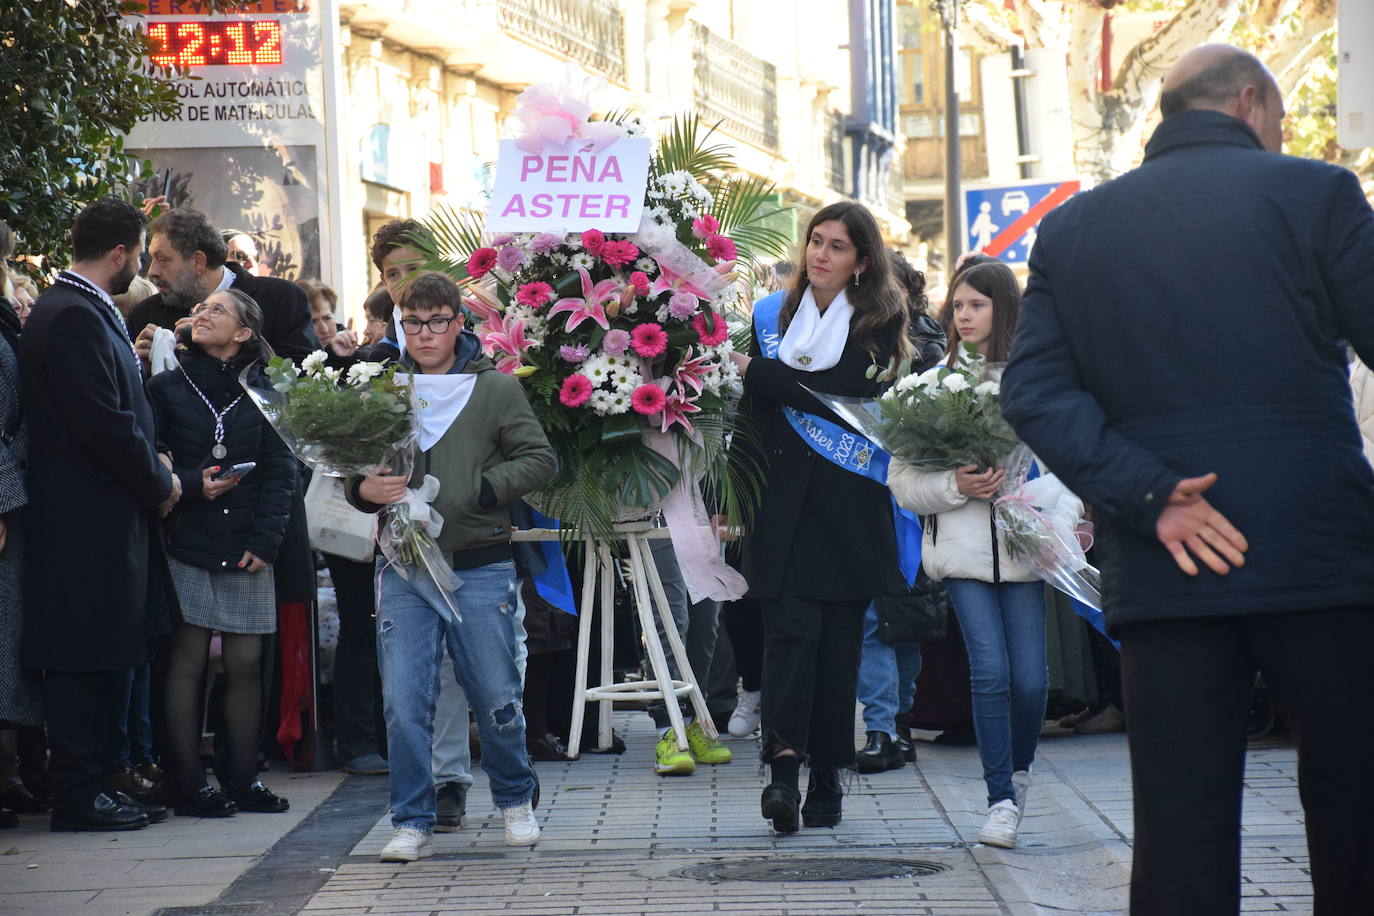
440, 399
814, 341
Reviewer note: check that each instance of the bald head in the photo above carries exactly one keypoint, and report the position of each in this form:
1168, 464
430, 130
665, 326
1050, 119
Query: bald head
1224, 78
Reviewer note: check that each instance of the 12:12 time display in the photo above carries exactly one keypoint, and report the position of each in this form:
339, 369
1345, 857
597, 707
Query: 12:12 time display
241, 43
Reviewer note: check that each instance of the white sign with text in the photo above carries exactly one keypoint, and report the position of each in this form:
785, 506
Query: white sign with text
570, 188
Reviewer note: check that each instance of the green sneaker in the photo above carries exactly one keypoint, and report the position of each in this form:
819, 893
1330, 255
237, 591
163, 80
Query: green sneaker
706, 750
668, 760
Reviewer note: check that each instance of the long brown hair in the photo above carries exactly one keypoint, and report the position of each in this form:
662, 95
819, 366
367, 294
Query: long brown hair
880, 319
996, 281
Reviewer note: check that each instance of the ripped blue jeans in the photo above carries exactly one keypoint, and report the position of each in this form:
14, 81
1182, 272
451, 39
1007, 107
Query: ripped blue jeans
411, 639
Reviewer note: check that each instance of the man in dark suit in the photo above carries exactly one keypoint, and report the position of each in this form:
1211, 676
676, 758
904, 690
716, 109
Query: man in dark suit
188, 261
1184, 332
97, 486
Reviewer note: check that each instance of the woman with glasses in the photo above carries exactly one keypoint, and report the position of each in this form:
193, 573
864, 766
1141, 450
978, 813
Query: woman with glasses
237, 481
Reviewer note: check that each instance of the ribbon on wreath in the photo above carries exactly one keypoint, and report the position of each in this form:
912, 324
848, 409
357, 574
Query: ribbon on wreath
840, 445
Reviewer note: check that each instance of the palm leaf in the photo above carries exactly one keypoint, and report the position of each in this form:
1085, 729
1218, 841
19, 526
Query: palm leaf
684, 148
743, 205
450, 235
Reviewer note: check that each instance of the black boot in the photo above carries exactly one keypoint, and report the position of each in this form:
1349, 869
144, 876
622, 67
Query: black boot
879, 754
905, 744
781, 799
824, 796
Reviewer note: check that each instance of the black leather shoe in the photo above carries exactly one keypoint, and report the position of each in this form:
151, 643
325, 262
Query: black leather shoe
155, 812
21, 801
824, 797
779, 805
905, 745
8, 819
206, 802
102, 813
259, 798
880, 753
546, 748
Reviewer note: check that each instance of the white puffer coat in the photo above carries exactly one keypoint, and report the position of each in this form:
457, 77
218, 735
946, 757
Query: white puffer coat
958, 532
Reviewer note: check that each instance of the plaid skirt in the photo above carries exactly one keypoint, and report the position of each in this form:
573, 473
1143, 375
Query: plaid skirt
231, 602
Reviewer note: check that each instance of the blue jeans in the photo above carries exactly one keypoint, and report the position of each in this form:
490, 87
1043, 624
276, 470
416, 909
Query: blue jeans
411, 638
1004, 629
133, 740
887, 677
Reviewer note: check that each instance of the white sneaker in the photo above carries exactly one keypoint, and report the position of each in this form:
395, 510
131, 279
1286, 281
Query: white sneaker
521, 827
744, 721
1020, 784
407, 844
1000, 827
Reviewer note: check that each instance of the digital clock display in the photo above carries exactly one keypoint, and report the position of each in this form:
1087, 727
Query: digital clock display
241, 43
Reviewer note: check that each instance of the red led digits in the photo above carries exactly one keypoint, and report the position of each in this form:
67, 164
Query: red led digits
241, 43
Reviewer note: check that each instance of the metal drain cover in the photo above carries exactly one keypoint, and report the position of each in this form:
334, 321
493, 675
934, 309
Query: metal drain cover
811, 868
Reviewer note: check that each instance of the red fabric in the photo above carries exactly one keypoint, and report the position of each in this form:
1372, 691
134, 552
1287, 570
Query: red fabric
293, 637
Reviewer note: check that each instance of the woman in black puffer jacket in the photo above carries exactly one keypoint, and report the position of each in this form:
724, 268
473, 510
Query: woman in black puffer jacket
222, 538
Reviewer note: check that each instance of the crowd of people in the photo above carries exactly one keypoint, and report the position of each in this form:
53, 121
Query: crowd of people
153, 520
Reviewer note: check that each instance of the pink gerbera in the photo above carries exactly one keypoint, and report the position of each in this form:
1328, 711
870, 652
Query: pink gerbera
703, 227
648, 340
711, 330
648, 399
593, 240
640, 281
721, 248
618, 254
577, 388
481, 261
534, 294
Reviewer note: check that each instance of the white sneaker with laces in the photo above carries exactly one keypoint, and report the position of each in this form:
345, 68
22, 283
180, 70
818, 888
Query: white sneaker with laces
407, 844
1020, 784
1000, 827
744, 721
522, 829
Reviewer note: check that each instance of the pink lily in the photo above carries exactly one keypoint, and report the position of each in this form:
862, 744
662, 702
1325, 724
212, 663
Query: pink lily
667, 281
482, 304
592, 304
676, 410
688, 375
506, 336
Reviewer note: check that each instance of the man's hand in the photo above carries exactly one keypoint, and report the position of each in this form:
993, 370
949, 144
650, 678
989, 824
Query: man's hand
383, 489
214, 489
979, 485
4, 533
172, 498
251, 562
1189, 527
741, 361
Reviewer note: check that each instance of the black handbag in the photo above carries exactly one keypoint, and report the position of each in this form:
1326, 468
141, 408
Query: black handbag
918, 616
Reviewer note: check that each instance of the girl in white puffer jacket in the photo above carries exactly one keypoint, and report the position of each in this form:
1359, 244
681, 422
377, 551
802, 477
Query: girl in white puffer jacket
999, 600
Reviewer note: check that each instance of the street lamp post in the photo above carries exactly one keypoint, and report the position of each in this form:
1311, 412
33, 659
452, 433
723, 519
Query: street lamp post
948, 11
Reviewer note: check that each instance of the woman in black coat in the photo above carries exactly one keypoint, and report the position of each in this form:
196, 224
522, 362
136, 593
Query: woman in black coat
823, 543
221, 539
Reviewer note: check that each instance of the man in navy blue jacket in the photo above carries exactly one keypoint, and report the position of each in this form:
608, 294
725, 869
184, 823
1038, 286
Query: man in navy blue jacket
1184, 332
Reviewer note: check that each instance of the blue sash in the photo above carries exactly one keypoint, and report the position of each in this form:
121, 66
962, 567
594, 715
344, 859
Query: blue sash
839, 445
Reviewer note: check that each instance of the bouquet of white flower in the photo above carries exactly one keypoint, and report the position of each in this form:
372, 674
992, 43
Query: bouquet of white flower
351, 426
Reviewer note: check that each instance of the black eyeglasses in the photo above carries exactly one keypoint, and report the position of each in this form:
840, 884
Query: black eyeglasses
242, 257
436, 325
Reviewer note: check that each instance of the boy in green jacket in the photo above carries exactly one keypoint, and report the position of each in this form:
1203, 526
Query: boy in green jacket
489, 452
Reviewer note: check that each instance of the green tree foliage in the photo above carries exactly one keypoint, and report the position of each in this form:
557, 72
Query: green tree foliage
74, 79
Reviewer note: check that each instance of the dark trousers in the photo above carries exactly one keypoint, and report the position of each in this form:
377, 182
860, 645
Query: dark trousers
357, 688
810, 669
744, 625
84, 711
1188, 686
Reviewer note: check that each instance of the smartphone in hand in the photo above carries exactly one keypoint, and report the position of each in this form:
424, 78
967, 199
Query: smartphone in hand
236, 471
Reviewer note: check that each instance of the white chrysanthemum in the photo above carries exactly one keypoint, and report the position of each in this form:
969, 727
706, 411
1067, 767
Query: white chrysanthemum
634, 127
314, 363
646, 263
662, 314
597, 368
600, 402
989, 388
624, 379
618, 402
360, 373
955, 382
583, 260
660, 215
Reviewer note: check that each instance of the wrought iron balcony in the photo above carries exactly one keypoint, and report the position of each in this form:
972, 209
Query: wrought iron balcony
834, 151
591, 32
734, 86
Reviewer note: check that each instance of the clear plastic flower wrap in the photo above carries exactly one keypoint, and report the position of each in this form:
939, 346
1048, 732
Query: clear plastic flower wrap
351, 425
